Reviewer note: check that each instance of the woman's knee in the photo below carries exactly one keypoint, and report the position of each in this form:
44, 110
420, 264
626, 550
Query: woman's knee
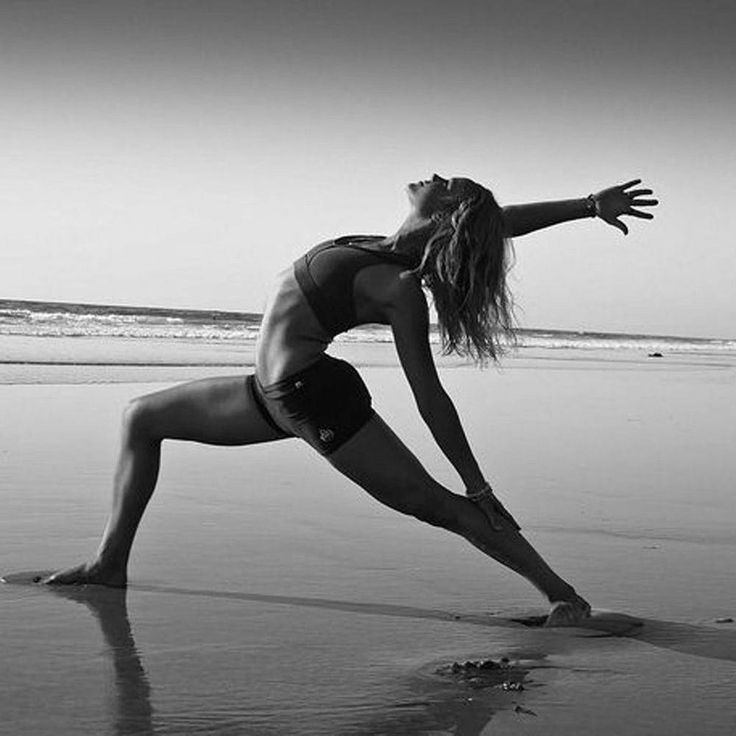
138, 419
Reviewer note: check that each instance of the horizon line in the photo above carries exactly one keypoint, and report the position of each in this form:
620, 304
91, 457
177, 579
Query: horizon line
235, 314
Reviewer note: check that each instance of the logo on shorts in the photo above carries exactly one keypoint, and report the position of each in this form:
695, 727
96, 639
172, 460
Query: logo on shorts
326, 435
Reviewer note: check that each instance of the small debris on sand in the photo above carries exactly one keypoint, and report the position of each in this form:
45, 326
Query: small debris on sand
471, 667
485, 673
724, 620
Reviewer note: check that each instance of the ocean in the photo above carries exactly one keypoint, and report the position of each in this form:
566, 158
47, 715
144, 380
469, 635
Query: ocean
190, 327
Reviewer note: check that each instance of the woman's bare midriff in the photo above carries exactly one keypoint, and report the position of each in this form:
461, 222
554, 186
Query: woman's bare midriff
291, 338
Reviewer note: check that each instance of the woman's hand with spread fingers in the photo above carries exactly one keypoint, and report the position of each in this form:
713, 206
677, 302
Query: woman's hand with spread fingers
612, 203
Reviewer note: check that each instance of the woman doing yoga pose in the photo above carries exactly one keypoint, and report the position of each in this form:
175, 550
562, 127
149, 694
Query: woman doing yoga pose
454, 245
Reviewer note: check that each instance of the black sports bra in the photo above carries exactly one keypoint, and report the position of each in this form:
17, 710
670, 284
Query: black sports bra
326, 274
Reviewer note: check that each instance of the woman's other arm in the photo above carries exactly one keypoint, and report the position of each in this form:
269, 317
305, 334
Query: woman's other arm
608, 204
409, 319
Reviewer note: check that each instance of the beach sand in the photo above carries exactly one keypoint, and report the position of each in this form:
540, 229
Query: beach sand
271, 596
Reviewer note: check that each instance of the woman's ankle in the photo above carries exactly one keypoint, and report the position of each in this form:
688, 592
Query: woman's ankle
561, 593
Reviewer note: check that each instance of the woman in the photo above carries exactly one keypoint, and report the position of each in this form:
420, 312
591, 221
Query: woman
453, 243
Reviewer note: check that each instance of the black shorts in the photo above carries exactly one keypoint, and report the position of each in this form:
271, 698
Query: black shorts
324, 404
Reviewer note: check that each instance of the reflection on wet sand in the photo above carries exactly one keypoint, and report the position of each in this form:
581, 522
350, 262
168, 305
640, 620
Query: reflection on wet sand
441, 701
438, 701
131, 711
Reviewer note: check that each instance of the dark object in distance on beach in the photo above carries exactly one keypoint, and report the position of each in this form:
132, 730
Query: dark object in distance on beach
724, 620
655, 355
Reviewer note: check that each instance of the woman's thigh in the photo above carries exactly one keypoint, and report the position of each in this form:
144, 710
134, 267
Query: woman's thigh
216, 411
378, 461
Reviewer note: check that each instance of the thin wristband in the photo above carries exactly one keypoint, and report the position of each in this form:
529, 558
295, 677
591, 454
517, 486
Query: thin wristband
591, 206
484, 492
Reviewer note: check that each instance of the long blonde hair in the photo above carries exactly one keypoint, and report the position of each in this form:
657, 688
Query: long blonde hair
464, 266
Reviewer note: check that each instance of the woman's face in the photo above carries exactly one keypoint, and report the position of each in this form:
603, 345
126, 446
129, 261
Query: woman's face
436, 195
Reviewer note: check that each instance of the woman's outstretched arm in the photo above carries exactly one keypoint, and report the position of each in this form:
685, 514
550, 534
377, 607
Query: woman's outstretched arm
608, 204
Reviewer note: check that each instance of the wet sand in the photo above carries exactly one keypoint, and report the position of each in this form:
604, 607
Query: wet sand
270, 596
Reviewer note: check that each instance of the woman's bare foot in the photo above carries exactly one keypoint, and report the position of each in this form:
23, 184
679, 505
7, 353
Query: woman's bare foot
89, 573
568, 613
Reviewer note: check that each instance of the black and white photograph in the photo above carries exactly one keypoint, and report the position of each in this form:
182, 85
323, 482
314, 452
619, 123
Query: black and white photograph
367, 368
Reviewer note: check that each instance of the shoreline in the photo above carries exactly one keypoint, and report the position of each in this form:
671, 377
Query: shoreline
65, 360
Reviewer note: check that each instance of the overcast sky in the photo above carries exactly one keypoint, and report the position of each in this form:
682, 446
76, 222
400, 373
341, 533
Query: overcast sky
177, 153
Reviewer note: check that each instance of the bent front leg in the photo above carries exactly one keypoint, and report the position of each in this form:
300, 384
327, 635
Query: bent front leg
217, 411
